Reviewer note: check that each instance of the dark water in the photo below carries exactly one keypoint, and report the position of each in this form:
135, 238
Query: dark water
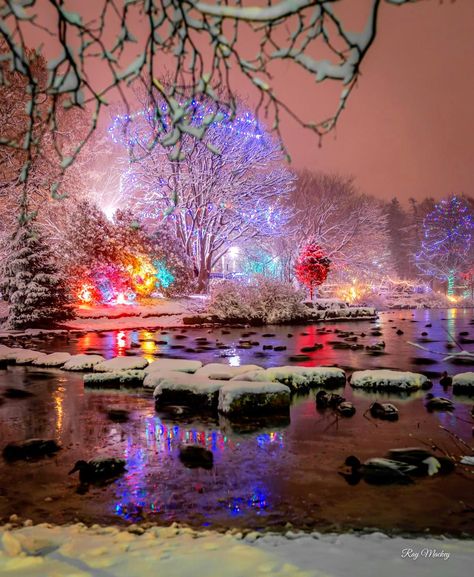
263, 477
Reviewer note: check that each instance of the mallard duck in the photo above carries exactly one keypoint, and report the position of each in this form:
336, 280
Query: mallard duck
346, 409
196, 457
425, 463
384, 411
438, 403
98, 470
378, 471
446, 380
30, 449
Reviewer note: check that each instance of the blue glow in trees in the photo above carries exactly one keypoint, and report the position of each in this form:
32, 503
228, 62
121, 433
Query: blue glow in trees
447, 241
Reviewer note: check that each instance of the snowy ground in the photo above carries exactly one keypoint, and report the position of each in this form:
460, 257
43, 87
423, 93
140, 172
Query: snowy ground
77, 551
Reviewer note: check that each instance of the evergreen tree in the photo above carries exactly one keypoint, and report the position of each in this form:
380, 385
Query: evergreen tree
30, 281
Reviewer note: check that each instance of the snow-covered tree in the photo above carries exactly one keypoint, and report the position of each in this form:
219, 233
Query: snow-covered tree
226, 187
35, 290
447, 241
350, 226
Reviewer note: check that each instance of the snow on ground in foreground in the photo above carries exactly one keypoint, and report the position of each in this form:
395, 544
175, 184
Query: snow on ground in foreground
385, 378
76, 551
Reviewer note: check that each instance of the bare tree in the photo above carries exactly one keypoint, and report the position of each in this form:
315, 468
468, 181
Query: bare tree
205, 42
351, 228
212, 200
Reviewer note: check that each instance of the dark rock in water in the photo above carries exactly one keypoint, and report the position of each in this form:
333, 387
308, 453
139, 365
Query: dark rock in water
12, 393
346, 409
450, 346
225, 332
261, 354
289, 335
177, 347
118, 415
3, 363
308, 349
424, 334
304, 334
279, 348
400, 332
30, 449
384, 411
463, 333
161, 342
196, 457
423, 361
268, 335
465, 341
267, 347
201, 339
299, 358
99, 470
244, 346
255, 343
339, 345
189, 350
180, 337
428, 325
376, 333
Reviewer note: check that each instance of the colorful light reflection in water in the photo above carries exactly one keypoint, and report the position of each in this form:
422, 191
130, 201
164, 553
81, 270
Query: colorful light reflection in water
143, 491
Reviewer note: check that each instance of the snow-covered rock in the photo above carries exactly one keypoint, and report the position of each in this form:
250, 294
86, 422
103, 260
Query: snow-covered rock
181, 365
463, 382
462, 357
82, 362
385, 379
121, 364
22, 356
174, 387
52, 360
112, 379
245, 398
224, 372
298, 377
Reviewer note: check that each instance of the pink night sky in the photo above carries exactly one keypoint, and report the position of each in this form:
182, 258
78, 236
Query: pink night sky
408, 128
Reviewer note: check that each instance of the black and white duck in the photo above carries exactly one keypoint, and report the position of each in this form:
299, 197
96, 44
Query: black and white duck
196, 457
384, 411
99, 470
424, 461
378, 471
438, 403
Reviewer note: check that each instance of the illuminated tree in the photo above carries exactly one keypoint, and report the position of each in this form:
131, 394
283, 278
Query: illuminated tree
312, 266
224, 188
446, 241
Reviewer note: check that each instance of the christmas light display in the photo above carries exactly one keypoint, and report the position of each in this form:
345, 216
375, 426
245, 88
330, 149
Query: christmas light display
312, 266
164, 277
447, 241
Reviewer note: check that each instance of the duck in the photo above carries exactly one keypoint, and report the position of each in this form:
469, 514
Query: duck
30, 449
99, 470
321, 400
384, 411
196, 457
378, 471
325, 400
346, 409
438, 403
424, 461
446, 380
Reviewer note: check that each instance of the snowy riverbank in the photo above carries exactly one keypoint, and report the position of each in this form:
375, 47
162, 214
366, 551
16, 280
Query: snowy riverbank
180, 552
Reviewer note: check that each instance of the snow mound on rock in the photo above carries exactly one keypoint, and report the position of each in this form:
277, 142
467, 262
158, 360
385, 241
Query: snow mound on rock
245, 397
82, 362
121, 364
224, 372
297, 377
463, 381
388, 379
110, 379
181, 365
52, 360
22, 356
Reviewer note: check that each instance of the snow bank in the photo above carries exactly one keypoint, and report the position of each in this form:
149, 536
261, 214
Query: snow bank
242, 398
112, 379
346, 313
173, 387
180, 552
21, 356
386, 379
82, 362
463, 382
223, 372
298, 377
52, 360
121, 364
181, 365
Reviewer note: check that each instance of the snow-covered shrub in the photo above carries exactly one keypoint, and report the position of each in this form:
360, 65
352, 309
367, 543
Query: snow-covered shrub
264, 301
